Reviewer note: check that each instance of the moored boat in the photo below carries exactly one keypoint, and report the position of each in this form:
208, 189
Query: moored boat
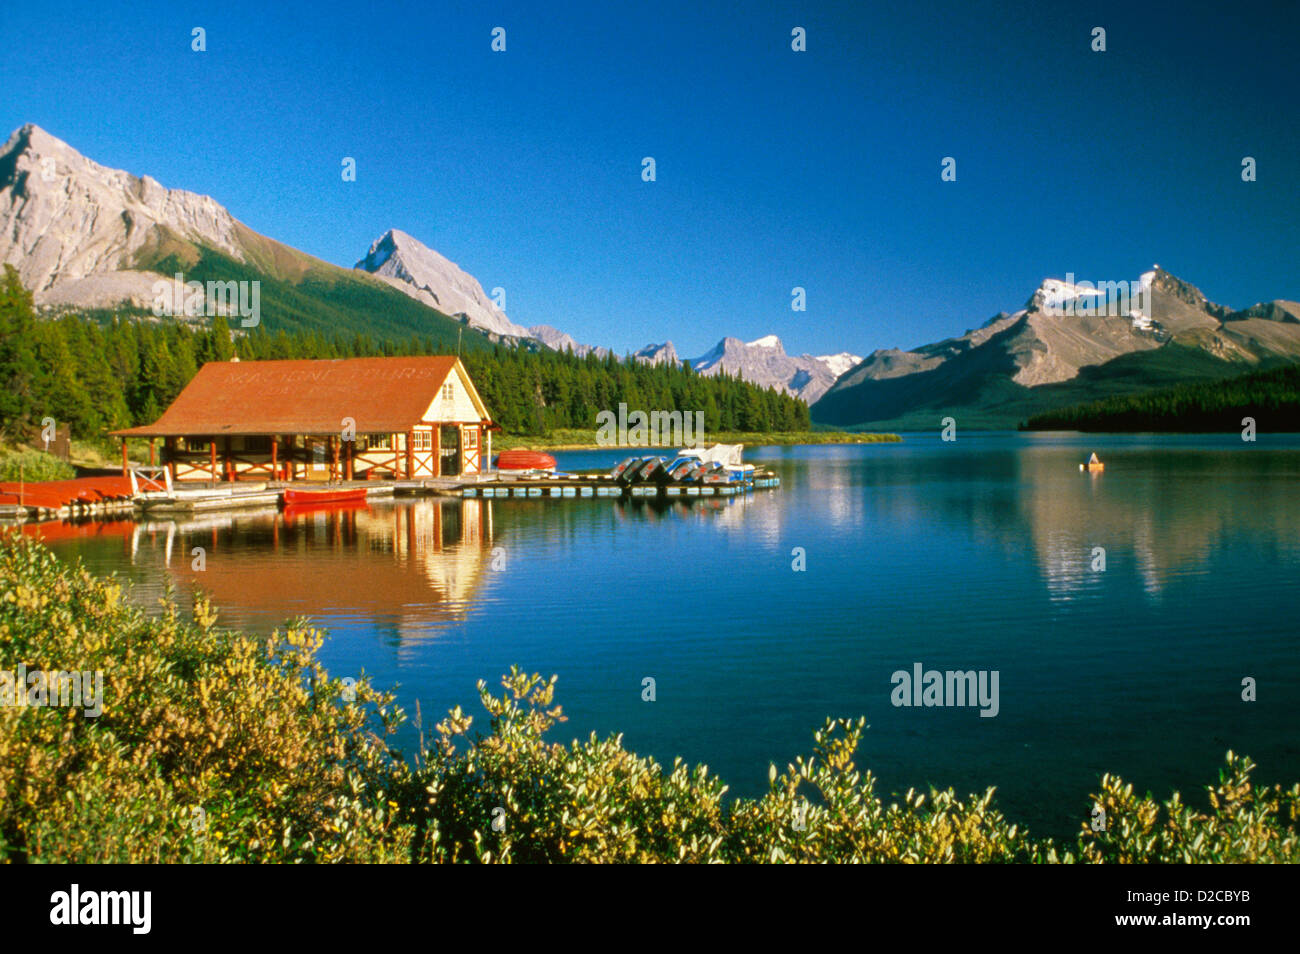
524, 460
316, 498
682, 470
652, 469
624, 469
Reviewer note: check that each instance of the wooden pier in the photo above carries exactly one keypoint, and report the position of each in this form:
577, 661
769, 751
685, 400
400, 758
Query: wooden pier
74, 499
591, 485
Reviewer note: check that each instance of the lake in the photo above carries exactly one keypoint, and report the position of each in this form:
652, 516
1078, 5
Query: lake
977, 554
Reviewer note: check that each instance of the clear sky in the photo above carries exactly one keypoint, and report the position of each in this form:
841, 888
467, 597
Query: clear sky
775, 168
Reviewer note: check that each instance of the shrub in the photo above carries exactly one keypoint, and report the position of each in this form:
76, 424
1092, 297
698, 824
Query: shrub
284, 764
33, 465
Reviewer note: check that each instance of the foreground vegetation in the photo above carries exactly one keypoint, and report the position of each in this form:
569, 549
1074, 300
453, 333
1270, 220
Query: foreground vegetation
27, 463
585, 439
222, 747
1272, 398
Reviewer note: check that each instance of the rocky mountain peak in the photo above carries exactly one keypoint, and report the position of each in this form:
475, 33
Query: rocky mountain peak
74, 228
658, 354
764, 362
409, 265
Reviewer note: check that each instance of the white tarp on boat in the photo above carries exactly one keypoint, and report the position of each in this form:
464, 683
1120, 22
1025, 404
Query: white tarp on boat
728, 454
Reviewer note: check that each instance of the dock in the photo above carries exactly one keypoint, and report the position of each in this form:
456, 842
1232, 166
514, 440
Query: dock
591, 485
144, 497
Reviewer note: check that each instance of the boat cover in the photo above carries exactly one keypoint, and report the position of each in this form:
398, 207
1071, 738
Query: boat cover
729, 454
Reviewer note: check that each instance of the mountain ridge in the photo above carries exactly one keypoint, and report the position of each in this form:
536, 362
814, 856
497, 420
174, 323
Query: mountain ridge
1056, 349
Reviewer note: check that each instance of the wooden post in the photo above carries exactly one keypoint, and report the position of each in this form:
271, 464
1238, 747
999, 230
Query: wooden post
352, 451
334, 455
151, 452
410, 454
212, 460
126, 467
275, 467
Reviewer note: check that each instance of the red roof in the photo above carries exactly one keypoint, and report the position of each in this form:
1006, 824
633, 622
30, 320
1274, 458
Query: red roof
381, 395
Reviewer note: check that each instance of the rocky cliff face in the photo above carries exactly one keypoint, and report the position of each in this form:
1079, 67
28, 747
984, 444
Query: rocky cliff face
764, 362
412, 267
658, 354
1062, 330
557, 340
74, 228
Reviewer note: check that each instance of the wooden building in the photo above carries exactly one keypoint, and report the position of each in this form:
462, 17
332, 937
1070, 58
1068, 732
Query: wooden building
347, 419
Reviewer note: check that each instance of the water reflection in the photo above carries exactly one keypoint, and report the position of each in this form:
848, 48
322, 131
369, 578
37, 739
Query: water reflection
1158, 515
411, 566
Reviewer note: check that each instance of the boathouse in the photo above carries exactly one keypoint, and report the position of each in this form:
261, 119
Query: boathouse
346, 419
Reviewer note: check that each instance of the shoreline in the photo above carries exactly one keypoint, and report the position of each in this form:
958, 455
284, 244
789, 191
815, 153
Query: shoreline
563, 440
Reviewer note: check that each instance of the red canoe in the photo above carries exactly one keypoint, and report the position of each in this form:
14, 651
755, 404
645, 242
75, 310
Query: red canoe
314, 498
525, 460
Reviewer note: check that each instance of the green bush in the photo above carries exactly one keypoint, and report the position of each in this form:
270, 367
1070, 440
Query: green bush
32, 465
286, 765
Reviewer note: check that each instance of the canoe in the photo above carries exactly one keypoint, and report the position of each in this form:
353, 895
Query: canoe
525, 460
652, 468
293, 511
314, 498
624, 469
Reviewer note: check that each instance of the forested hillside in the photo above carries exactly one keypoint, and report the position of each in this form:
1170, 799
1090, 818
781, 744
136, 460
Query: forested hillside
101, 374
1272, 398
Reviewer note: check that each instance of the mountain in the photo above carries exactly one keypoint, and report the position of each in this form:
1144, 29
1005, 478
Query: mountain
658, 354
1055, 351
412, 267
764, 362
85, 236
557, 340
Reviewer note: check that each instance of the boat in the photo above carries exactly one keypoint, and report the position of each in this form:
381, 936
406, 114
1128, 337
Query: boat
651, 469
624, 469
682, 469
1093, 465
316, 498
525, 460
293, 511
715, 472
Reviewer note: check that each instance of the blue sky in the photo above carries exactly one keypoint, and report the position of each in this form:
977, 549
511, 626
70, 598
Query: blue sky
774, 168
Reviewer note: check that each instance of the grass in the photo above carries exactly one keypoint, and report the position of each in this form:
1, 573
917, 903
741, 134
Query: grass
582, 439
213, 745
31, 464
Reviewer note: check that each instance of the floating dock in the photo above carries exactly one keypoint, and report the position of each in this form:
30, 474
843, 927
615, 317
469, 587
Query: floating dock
584, 485
101, 496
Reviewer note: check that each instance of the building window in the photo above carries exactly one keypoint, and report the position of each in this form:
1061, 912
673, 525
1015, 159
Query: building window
448, 392
471, 438
257, 445
424, 440
197, 442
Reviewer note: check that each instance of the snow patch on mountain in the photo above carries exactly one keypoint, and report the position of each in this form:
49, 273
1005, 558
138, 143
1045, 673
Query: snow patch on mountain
765, 363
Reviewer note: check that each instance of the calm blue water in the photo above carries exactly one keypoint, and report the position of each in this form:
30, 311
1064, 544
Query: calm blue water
974, 554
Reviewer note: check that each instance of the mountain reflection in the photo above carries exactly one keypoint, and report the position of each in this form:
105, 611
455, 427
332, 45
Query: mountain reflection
1156, 515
